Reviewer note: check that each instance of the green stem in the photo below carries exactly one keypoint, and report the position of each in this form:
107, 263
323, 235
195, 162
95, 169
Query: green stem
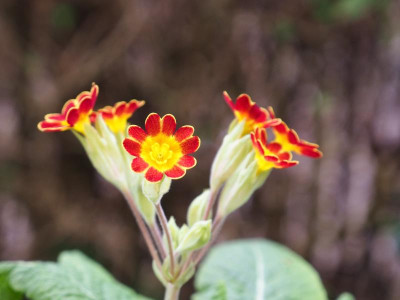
172, 292
164, 224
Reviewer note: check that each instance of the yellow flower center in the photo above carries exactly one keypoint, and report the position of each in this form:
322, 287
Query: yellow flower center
162, 152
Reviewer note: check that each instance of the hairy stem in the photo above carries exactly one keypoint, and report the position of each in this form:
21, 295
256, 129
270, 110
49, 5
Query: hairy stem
210, 204
143, 228
156, 234
164, 225
172, 292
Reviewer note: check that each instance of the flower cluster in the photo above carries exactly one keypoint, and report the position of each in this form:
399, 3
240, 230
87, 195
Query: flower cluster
141, 163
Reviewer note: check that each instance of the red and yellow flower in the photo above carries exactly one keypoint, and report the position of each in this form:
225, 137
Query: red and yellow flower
74, 114
288, 140
116, 117
246, 110
270, 155
160, 150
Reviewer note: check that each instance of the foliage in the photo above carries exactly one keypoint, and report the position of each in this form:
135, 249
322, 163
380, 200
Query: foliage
73, 277
256, 269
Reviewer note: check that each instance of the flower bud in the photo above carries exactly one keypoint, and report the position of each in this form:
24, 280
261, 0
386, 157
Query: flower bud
154, 191
196, 237
198, 207
241, 185
233, 150
103, 151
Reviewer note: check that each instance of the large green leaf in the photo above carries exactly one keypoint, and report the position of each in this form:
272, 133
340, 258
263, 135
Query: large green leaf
73, 277
259, 270
6, 291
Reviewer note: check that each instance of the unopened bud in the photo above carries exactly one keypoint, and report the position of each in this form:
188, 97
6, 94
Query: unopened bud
240, 186
198, 207
196, 237
233, 150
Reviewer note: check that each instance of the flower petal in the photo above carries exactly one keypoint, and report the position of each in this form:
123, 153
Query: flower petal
190, 145
153, 175
153, 124
310, 152
168, 124
183, 133
85, 106
133, 105
54, 117
67, 106
137, 133
47, 126
139, 165
187, 161
72, 116
243, 103
176, 172
120, 108
228, 100
132, 147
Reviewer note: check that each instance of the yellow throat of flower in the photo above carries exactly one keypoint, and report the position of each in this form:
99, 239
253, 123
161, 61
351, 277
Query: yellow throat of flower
161, 152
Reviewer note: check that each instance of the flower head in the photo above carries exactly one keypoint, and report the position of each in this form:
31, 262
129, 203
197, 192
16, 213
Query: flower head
74, 114
246, 110
116, 116
288, 140
271, 155
160, 150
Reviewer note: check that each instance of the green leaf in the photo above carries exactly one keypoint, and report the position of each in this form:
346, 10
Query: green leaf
259, 270
74, 277
6, 291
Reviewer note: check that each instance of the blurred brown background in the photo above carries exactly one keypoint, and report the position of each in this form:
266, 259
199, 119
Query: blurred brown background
331, 69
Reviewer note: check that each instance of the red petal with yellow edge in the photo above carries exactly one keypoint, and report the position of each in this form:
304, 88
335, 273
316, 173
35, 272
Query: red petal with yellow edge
228, 100
137, 133
287, 164
168, 124
256, 143
55, 117
133, 105
272, 123
271, 112
311, 152
257, 114
261, 134
85, 106
293, 137
183, 133
153, 124
94, 92
187, 161
190, 145
153, 175
243, 103
132, 147
281, 128
139, 165
175, 172
72, 116
67, 106
52, 126
284, 156
274, 147
120, 108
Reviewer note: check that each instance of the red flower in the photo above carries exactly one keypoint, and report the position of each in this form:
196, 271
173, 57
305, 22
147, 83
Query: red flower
254, 116
116, 116
74, 114
161, 150
288, 140
271, 155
